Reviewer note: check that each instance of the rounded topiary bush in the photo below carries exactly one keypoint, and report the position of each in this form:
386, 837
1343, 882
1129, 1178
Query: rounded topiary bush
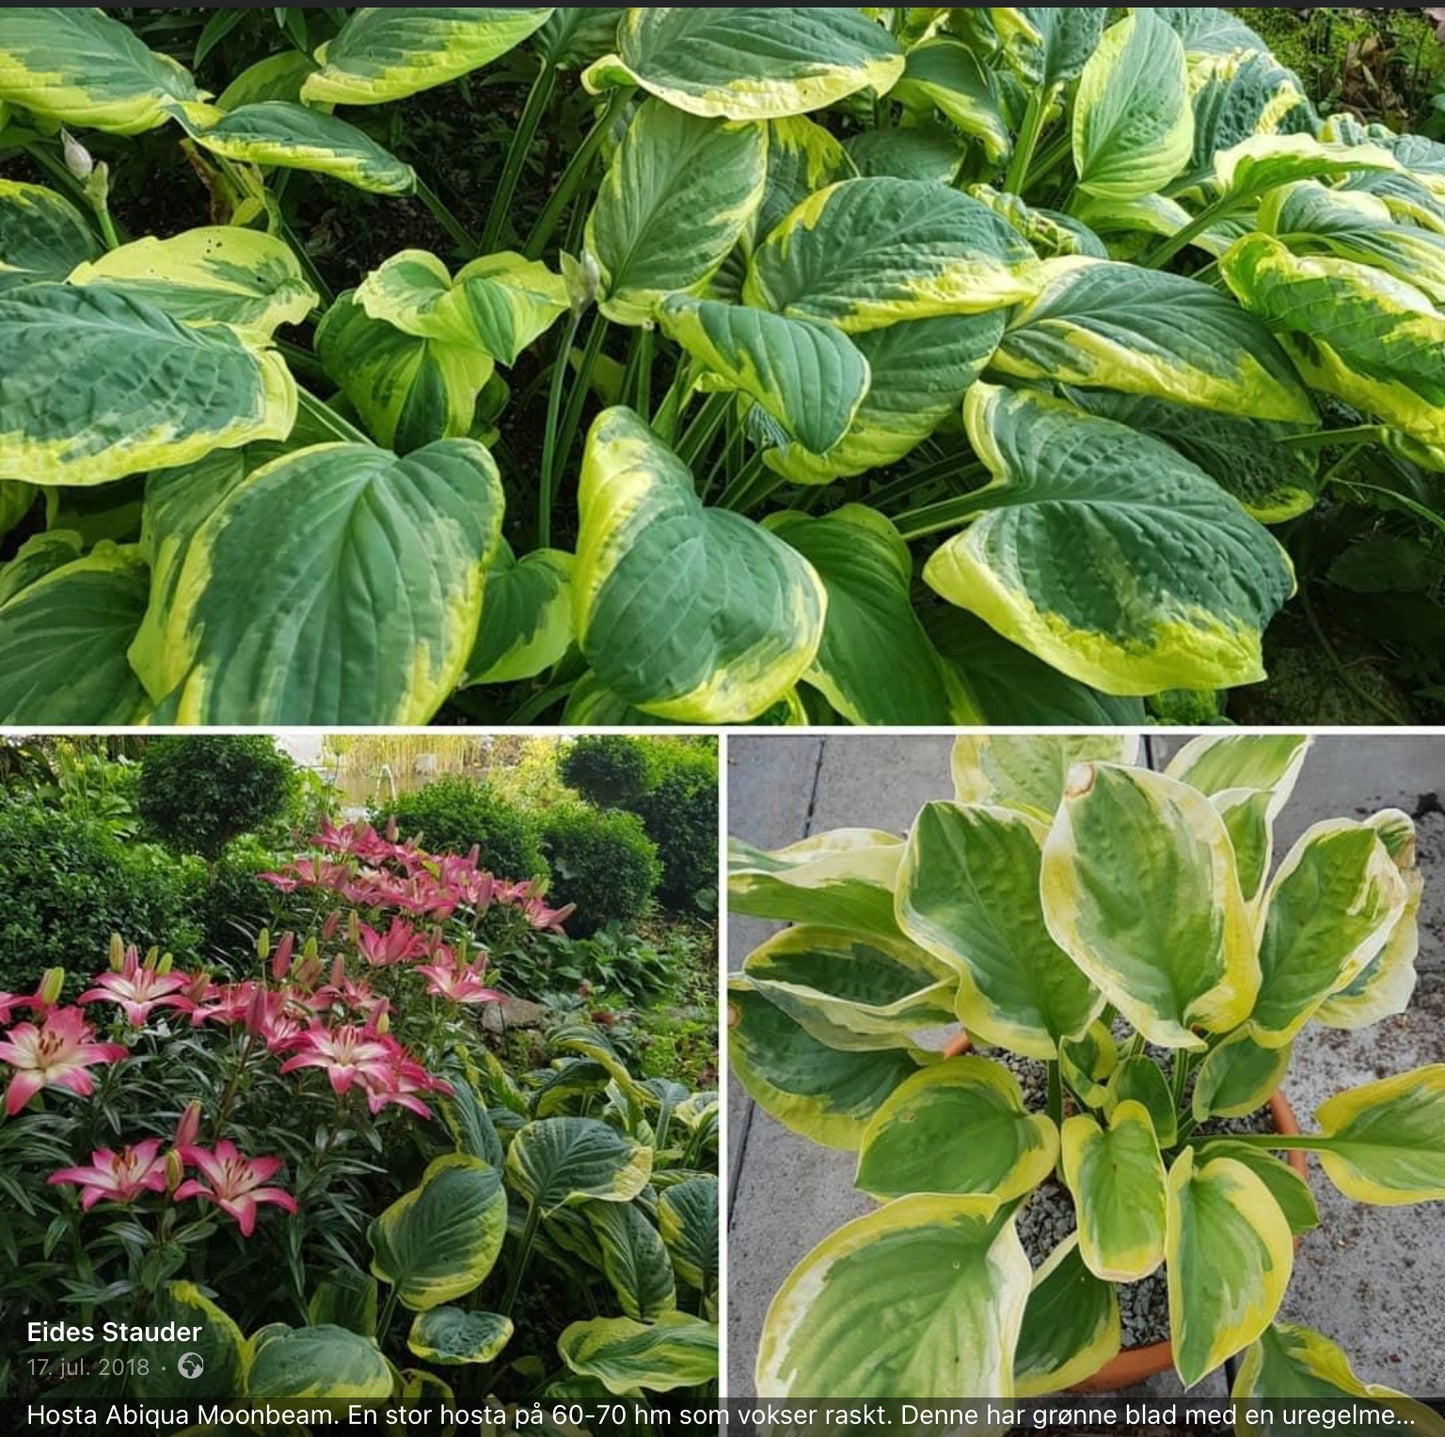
454, 813
198, 792
66, 885
610, 770
680, 812
603, 861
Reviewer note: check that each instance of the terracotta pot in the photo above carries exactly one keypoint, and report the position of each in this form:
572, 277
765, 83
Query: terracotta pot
1138, 1364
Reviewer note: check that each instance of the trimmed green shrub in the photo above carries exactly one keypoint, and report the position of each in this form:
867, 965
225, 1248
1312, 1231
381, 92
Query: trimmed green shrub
66, 885
603, 861
454, 813
236, 905
610, 770
198, 792
680, 812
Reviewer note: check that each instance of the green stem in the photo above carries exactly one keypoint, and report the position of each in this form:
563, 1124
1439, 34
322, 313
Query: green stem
549, 436
573, 176
955, 467
1051, 156
1183, 1063
937, 518
669, 412
383, 1325
1277, 1142
750, 488
461, 236
1028, 140
1056, 1093
328, 418
1338, 664
699, 434
1328, 438
536, 706
577, 400
1136, 1047
524, 1253
318, 280
538, 99
300, 360
1209, 216
642, 380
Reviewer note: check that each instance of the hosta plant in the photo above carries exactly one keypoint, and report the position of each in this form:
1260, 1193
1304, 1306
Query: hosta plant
884, 366
1130, 930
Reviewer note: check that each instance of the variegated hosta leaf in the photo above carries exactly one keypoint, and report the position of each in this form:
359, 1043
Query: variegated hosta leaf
500, 303
1133, 128
560, 1162
968, 892
1313, 219
875, 664
16, 501
689, 613
1263, 163
1230, 1257
929, 152
1029, 772
836, 880
750, 62
1273, 481
1087, 1063
960, 1127
39, 555
803, 158
1106, 325
1107, 554
679, 194
1208, 30
865, 989
219, 1343
441, 1240
634, 1260
1353, 331
954, 1281
1329, 911
920, 371
1291, 1364
1239, 1077
1140, 889
1117, 1178
323, 1364
1384, 1143
451, 1337
277, 77
678, 1350
386, 54
96, 384
339, 584
410, 392
810, 377
1049, 232
576, 35
245, 278
1141, 1081
1288, 1188
63, 642
945, 74
687, 1218
1071, 1325
79, 66
276, 132
42, 235
526, 617
1250, 778
864, 254
822, 1093
1049, 44
1237, 95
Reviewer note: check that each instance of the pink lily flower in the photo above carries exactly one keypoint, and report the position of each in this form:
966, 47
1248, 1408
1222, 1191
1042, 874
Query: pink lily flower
539, 916
117, 1177
347, 1054
402, 1085
233, 1182
57, 1054
399, 944
9, 1002
137, 988
462, 985
225, 1003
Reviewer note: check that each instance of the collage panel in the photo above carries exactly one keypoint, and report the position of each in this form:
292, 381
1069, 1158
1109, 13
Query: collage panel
1089, 1065
357, 1068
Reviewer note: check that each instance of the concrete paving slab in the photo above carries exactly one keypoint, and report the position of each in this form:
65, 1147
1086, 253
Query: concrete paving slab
1373, 1279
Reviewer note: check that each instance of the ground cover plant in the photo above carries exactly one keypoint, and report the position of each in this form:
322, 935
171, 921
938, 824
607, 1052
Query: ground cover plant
1130, 935
315, 1155
886, 366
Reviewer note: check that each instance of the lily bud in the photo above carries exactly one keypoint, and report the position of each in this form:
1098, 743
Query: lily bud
51, 983
166, 963
333, 922
256, 1012
175, 1170
263, 944
281, 960
117, 952
77, 158
189, 1127
382, 1022
312, 948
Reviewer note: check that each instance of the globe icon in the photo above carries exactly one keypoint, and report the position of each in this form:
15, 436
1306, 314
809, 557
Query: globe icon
190, 1365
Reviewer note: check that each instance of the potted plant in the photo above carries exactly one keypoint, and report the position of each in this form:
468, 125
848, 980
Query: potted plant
1116, 940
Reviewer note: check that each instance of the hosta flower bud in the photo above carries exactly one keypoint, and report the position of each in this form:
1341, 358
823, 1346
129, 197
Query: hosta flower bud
51, 983
583, 278
77, 158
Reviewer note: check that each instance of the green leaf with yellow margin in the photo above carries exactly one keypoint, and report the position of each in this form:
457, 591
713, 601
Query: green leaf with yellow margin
339, 584
1088, 1063
1239, 1077
1384, 1143
1029, 772
747, 62
945, 74
42, 235
678, 1350
1140, 888
1230, 1257
1141, 1080
96, 384
1071, 1328
803, 158
968, 892
450, 1337
954, 1280
687, 1218
1265, 162
219, 274
441, 1240
217, 1340
634, 1259
526, 617
689, 613
560, 1162
1117, 1178
1178, 581
385, 53
318, 1363
1290, 1190
959, 1127
1048, 45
